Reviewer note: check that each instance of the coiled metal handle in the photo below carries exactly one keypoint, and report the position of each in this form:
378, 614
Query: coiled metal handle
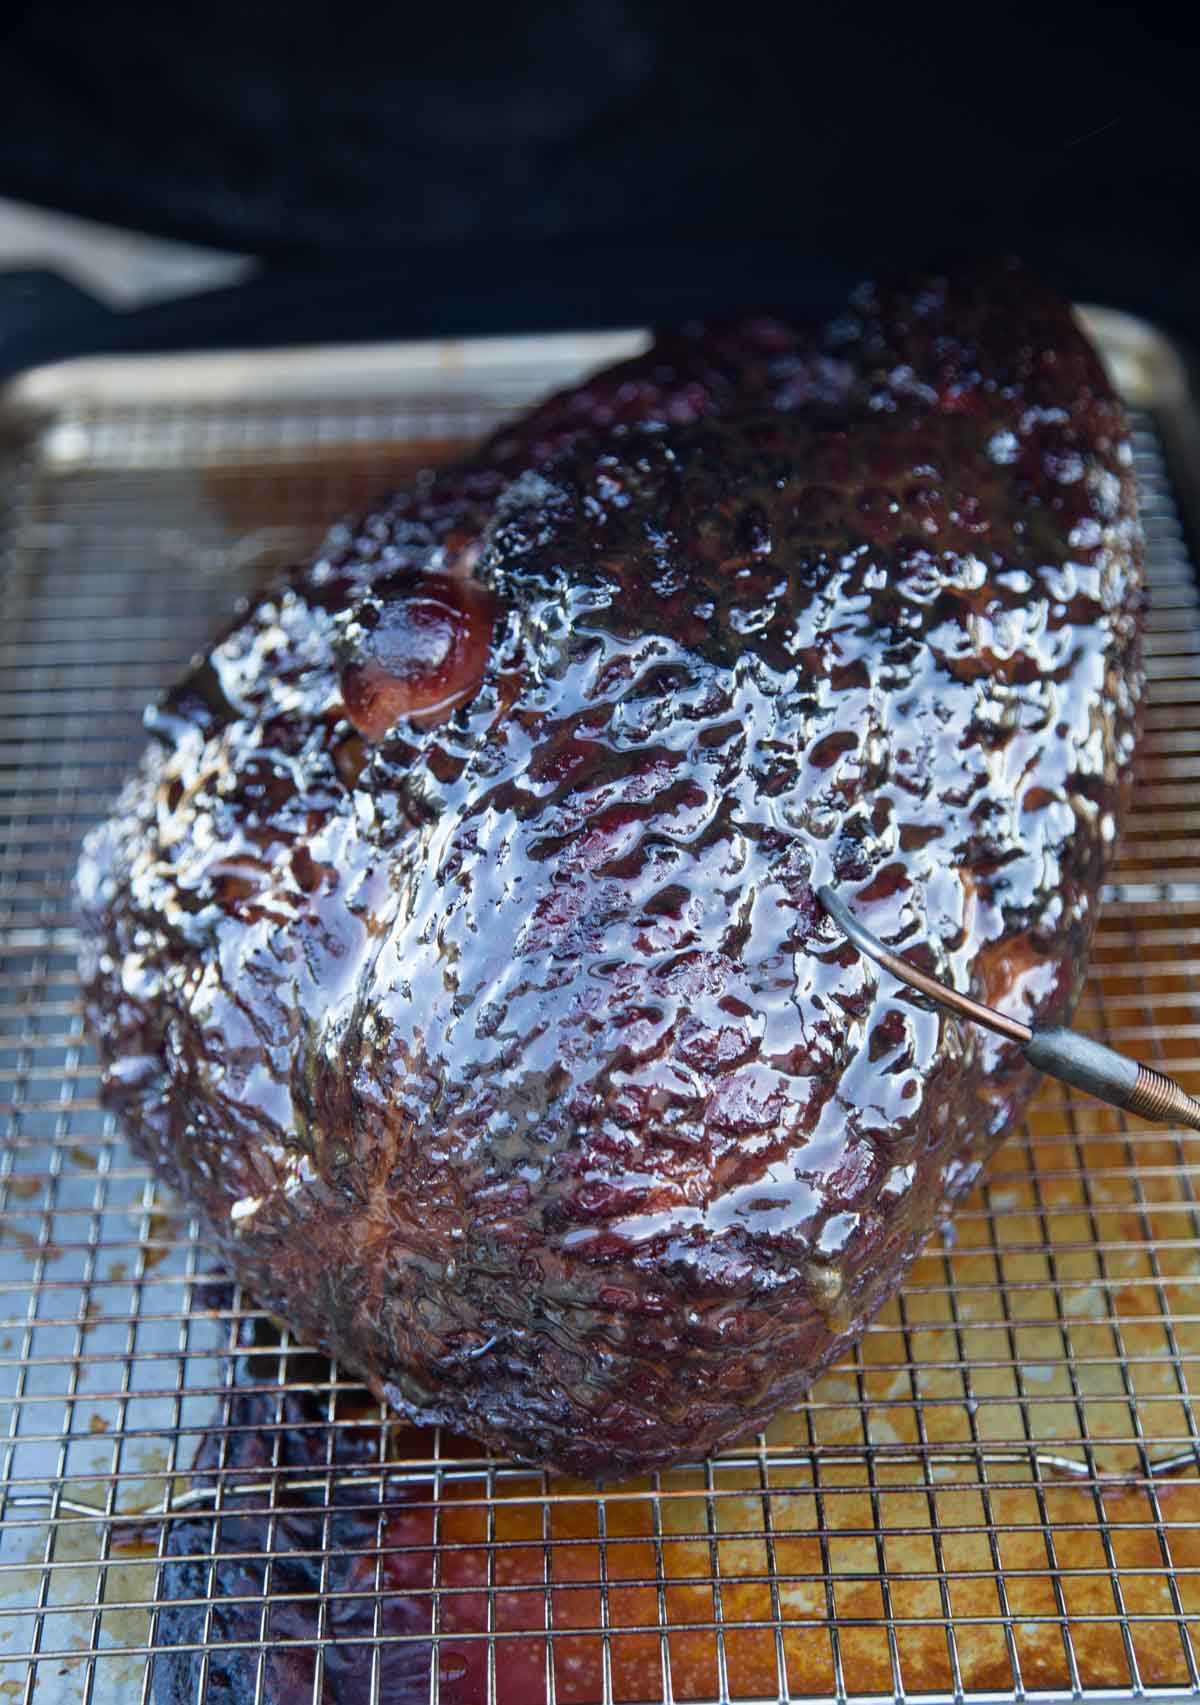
1160, 1098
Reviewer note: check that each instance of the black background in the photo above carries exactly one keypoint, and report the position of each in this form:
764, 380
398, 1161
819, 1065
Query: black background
470, 168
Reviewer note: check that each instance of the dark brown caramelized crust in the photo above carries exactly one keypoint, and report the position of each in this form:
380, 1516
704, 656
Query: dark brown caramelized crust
454, 949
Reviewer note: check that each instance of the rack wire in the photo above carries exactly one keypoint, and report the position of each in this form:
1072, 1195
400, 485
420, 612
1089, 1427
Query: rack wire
995, 1498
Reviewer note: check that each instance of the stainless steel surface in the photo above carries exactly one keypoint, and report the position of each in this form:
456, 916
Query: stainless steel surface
996, 1497
125, 269
1077, 1060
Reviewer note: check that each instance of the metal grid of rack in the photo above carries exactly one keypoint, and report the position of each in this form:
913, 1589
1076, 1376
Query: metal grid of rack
996, 1497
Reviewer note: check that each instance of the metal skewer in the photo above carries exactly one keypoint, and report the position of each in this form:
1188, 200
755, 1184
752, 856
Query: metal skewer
1053, 1049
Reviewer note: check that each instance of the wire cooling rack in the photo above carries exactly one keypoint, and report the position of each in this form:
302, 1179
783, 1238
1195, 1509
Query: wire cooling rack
996, 1497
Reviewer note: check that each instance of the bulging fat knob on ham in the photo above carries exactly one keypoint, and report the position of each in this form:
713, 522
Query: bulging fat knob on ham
455, 949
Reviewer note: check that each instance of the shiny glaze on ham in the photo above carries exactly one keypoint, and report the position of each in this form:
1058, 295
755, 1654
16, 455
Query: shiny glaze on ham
455, 948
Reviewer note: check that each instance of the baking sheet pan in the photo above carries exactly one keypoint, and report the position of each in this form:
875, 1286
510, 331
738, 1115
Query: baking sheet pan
966, 1509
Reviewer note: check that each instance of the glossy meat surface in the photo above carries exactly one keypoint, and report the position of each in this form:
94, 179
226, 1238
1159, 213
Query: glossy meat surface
504, 1046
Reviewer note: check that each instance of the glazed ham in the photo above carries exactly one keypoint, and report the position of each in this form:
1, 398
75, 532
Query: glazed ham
455, 952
